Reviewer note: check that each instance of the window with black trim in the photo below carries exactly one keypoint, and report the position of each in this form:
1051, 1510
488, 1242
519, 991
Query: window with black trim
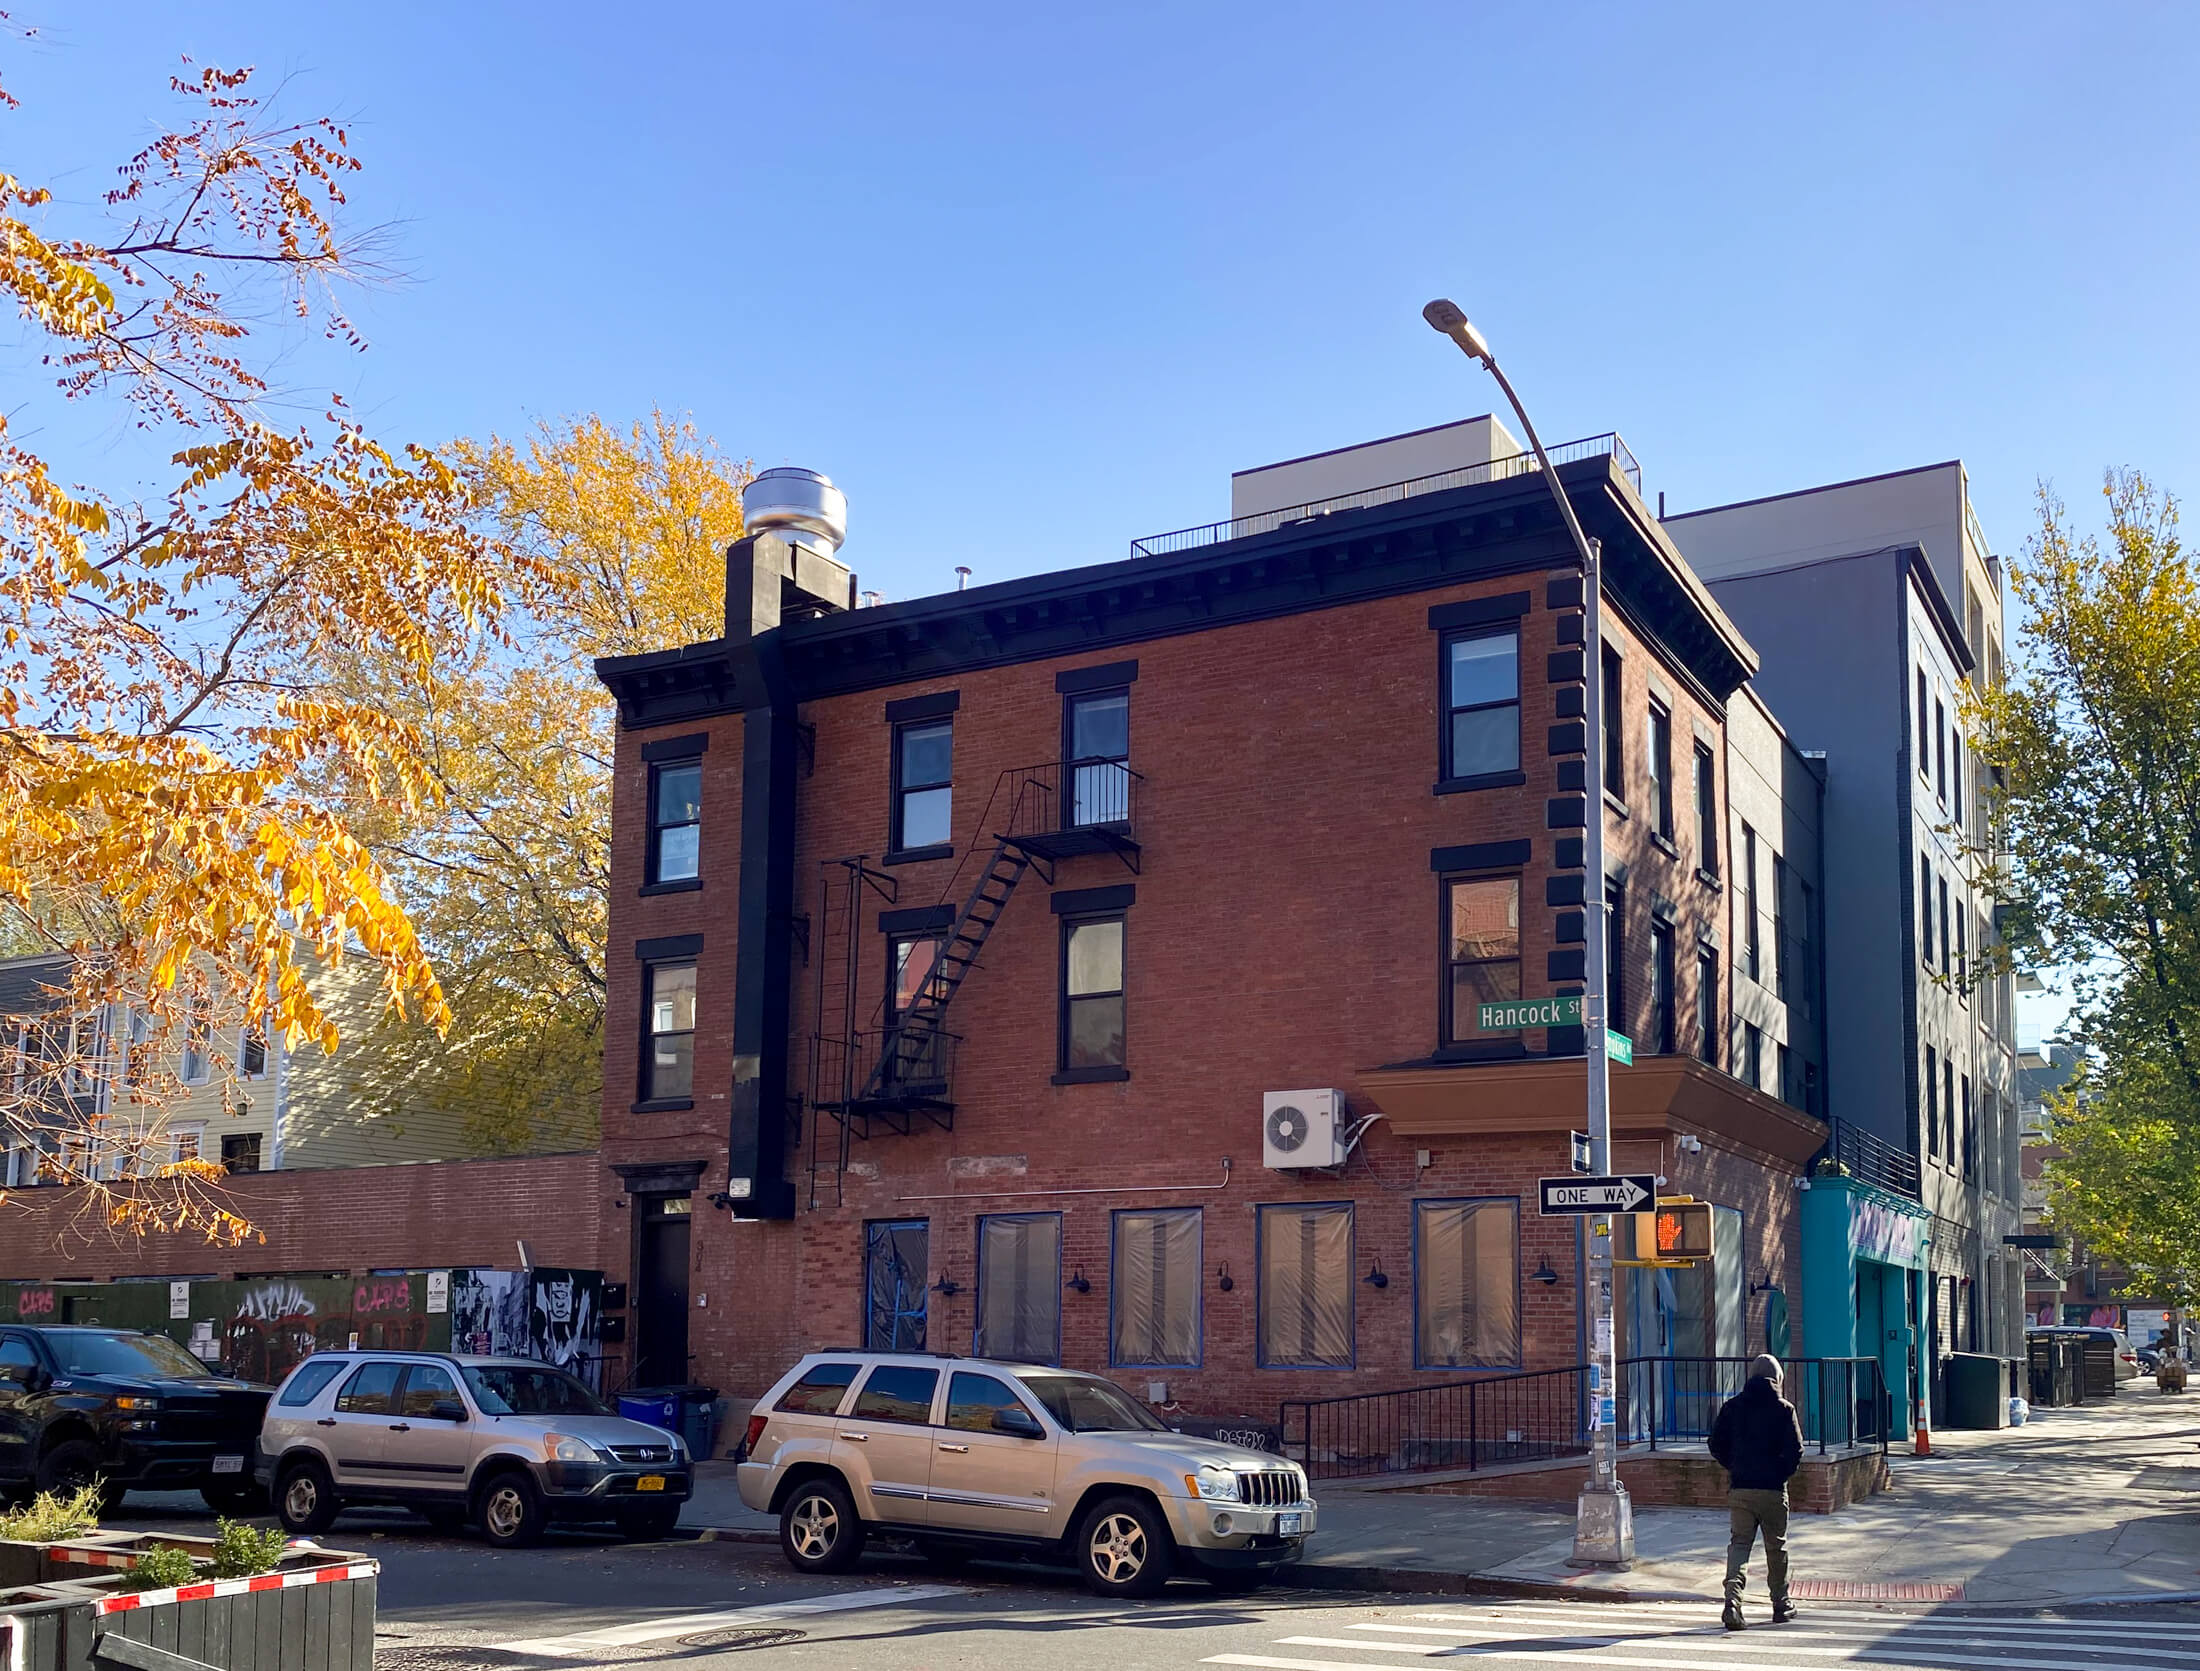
1482, 702
1948, 1107
1661, 770
1753, 1056
252, 1053
1929, 1103
1925, 909
1096, 738
1661, 988
1752, 942
1970, 1133
1092, 993
1481, 953
912, 964
1707, 1005
1963, 954
675, 820
1619, 1015
1305, 1302
1940, 747
1707, 813
1614, 749
1779, 926
924, 771
1947, 960
668, 1060
1924, 732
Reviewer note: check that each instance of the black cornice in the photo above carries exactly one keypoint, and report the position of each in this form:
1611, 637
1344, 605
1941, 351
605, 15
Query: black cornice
1482, 531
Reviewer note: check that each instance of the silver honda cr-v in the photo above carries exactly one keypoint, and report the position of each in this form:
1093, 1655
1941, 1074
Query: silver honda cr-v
506, 1442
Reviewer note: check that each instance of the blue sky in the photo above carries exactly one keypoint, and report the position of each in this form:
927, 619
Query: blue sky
1030, 281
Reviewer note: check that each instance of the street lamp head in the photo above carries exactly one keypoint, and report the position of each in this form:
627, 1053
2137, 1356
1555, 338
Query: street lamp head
1444, 315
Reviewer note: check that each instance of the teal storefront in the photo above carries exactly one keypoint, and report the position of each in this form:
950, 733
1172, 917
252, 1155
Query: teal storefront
1864, 1260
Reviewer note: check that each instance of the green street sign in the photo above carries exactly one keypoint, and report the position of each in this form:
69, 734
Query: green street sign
1619, 1047
1512, 1014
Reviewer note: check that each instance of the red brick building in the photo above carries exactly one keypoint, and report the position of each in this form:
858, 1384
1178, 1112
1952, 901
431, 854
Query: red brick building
959, 943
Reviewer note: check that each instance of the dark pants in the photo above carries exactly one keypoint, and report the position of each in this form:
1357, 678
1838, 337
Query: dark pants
1752, 1512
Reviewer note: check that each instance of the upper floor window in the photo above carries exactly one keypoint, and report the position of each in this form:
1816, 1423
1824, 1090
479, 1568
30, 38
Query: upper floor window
252, 1053
1946, 957
924, 769
1752, 931
1097, 732
1929, 1103
675, 820
1707, 813
1925, 909
1482, 704
1092, 993
668, 1063
1970, 1133
1805, 993
1779, 926
1661, 771
1924, 731
1940, 747
1963, 953
1614, 749
1707, 1005
185, 1142
1615, 958
913, 959
1662, 1018
1753, 1056
1481, 951
198, 1044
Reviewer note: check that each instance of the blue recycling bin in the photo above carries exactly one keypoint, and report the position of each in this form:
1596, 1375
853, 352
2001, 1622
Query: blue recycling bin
658, 1406
690, 1411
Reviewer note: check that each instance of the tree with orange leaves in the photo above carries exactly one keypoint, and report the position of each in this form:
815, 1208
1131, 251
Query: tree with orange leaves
179, 772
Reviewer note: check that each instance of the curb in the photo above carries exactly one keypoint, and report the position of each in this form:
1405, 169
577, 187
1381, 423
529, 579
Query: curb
728, 1534
1425, 1582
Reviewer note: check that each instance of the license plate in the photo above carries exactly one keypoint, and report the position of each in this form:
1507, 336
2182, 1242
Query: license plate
650, 1482
229, 1465
1287, 1525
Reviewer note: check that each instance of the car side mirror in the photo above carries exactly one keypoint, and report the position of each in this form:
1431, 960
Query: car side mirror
1018, 1423
447, 1410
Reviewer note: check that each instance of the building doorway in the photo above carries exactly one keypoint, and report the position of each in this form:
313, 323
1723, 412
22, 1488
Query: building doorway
661, 1290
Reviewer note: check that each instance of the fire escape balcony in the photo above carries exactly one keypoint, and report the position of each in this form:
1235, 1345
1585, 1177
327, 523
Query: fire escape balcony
888, 1078
1068, 808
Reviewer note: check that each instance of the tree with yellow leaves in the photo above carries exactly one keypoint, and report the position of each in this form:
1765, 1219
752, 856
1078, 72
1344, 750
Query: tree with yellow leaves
506, 868
179, 770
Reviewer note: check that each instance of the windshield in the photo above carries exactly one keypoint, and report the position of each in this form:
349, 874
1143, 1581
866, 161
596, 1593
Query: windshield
1086, 1406
153, 1355
507, 1390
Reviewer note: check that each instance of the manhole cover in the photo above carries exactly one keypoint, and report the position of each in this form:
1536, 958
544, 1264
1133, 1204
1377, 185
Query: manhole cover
1844, 1589
732, 1639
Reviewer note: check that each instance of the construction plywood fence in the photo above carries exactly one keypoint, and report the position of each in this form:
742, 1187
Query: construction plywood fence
263, 1327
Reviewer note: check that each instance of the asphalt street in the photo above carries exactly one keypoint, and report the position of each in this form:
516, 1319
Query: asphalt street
453, 1604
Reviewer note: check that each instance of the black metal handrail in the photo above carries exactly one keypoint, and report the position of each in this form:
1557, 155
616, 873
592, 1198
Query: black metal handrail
1608, 445
920, 1074
1062, 797
1864, 1155
1543, 1415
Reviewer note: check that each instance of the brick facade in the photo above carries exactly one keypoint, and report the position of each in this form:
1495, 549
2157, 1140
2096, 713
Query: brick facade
1286, 932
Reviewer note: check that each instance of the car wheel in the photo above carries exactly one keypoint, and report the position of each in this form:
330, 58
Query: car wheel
650, 1524
511, 1511
305, 1502
818, 1528
1123, 1549
1236, 1581
235, 1501
72, 1465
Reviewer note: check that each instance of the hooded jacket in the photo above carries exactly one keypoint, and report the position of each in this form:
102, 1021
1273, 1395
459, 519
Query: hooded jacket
1757, 1438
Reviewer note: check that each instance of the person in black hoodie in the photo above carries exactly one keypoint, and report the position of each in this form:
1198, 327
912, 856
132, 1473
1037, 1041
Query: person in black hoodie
1758, 1441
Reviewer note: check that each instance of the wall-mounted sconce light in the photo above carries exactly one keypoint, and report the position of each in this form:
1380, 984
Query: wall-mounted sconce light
1078, 1282
1768, 1286
1376, 1277
1223, 1279
946, 1285
1543, 1273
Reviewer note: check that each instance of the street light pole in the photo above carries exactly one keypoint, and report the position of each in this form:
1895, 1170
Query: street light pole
1604, 1521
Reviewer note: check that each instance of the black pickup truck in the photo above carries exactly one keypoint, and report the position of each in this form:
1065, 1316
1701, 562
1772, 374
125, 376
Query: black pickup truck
132, 1411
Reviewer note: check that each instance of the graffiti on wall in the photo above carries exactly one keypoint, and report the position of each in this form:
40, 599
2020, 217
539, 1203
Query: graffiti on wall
273, 1326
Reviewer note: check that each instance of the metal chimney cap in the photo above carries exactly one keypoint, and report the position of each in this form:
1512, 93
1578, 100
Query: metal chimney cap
791, 501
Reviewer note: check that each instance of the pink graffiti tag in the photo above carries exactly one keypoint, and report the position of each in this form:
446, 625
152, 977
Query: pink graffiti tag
34, 1302
385, 1294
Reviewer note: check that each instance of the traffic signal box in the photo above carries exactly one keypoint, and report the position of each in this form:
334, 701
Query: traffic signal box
1677, 1234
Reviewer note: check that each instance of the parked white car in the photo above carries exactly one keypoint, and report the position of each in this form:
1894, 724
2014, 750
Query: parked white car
969, 1455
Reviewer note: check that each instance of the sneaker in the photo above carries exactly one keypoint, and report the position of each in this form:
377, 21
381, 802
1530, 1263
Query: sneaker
1782, 1612
1732, 1617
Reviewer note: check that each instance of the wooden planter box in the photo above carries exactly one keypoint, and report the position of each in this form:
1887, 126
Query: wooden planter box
316, 1613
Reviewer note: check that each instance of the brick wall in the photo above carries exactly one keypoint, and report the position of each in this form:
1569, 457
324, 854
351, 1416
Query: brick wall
1286, 933
348, 1219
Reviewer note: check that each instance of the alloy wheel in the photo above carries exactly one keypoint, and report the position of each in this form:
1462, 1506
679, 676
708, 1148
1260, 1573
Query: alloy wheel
504, 1512
1117, 1548
815, 1527
301, 1497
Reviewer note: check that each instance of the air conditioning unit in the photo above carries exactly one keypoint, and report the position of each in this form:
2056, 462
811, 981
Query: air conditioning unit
1300, 1130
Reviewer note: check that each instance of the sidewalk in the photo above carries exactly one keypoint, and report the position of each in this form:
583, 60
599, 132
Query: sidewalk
2098, 1503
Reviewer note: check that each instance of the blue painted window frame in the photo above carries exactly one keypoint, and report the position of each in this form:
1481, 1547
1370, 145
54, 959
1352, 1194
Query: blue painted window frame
1199, 1294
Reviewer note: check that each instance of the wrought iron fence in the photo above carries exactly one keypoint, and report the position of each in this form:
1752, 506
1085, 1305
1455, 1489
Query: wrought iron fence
1842, 1402
1267, 522
1871, 1158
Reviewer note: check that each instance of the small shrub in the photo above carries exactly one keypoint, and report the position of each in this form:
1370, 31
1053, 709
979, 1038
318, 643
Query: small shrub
161, 1567
242, 1550
52, 1514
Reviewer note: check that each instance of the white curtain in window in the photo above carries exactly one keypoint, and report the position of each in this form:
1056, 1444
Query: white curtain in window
1156, 1288
1020, 1288
1730, 1281
1467, 1259
1306, 1286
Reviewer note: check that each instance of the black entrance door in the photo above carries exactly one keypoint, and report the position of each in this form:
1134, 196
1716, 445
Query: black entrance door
661, 1292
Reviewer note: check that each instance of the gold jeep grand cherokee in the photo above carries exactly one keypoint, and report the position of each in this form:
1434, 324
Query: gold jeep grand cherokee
969, 1456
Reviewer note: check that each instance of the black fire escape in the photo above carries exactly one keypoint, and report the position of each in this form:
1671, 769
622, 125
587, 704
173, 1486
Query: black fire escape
898, 1068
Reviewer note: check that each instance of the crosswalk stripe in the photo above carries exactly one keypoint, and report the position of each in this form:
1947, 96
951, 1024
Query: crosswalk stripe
1863, 1653
580, 1644
1377, 1647
1654, 1612
1792, 1639
1853, 1632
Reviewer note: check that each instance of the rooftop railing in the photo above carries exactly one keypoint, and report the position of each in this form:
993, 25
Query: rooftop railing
1267, 522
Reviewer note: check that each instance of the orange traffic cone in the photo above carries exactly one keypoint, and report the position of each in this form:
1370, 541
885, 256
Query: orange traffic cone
1924, 1441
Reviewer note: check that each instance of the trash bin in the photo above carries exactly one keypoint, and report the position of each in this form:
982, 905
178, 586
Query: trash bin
1977, 1391
690, 1411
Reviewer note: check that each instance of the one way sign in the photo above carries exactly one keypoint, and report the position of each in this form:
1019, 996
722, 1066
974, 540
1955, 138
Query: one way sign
1624, 1194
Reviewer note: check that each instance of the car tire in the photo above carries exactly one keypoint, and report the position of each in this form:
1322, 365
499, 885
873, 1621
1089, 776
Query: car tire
818, 1528
305, 1498
651, 1523
1236, 1581
1123, 1548
236, 1502
510, 1511
71, 1466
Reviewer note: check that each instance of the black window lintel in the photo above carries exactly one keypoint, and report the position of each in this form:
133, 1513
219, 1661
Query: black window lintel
668, 946
1474, 612
1079, 902
937, 705
917, 919
1481, 855
1106, 676
676, 748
